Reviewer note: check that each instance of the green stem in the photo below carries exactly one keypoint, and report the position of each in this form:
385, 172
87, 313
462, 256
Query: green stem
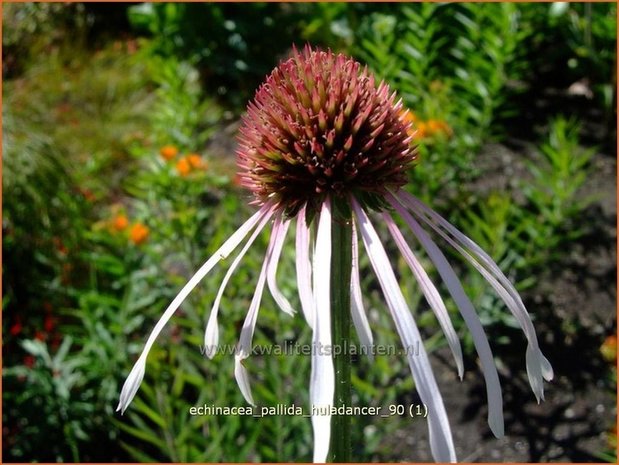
341, 267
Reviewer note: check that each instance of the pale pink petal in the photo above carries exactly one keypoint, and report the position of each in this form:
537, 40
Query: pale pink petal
493, 386
538, 366
322, 378
359, 318
429, 291
211, 334
137, 373
280, 229
441, 441
244, 347
304, 268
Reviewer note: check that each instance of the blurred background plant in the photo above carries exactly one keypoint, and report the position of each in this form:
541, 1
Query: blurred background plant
119, 180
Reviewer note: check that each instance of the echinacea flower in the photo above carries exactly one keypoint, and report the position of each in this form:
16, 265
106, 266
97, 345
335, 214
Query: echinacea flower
322, 137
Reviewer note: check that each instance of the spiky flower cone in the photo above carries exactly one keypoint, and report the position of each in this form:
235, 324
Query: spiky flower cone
321, 126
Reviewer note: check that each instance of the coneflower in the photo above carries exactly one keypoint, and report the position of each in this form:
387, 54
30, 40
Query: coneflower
323, 144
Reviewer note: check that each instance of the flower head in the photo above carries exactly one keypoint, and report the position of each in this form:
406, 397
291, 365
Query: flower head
138, 233
189, 163
196, 161
321, 126
321, 133
168, 152
183, 166
120, 222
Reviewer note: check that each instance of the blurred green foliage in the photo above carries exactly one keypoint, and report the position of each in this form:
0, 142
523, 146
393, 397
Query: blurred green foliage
232, 45
115, 195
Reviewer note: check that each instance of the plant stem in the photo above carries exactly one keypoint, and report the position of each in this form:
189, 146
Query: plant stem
341, 267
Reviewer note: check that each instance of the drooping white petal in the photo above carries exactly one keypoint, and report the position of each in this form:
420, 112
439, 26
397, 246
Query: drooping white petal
441, 441
244, 347
429, 291
304, 268
132, 383
242, 380
136, 375
359, 318
280, 229
538, 366
211, 334
533, 356
322, 378
448, 275
547, 371
434, 219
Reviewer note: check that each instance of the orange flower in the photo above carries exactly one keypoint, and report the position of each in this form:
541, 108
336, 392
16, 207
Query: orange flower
437, 127
168, 152
120, 223
138, 233
407, 117
183, 166
196, 161
420, 130
609, 349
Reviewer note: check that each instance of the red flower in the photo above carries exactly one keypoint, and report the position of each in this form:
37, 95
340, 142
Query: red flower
16, 328
49, 323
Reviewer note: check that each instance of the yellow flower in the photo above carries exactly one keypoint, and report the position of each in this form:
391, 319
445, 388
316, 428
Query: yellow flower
138, 233
168, 152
